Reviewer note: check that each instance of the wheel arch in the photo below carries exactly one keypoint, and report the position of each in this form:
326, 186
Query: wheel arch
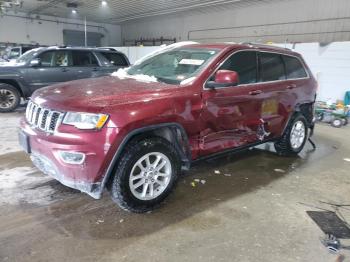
13, 83
307, 110
173, 132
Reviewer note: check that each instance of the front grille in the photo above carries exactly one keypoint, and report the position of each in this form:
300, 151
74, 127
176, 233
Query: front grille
42, 118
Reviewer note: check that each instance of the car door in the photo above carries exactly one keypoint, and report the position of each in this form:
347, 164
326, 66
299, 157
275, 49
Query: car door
297, 85
53, 68
276, 106
111, 61
85, 64
231, 115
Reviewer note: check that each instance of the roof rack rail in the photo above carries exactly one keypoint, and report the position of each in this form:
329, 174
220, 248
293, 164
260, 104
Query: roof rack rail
263, 45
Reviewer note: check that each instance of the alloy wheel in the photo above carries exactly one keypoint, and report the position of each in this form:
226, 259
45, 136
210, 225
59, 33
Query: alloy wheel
297, 135
7, 98
150, 176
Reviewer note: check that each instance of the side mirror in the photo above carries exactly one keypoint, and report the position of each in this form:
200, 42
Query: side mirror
35, 62
224, 78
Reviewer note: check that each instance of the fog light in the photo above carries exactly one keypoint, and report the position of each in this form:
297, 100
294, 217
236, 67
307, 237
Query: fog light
75, 158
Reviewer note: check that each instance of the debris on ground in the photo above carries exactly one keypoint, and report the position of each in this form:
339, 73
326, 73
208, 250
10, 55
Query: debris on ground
347, 159
227, 174
278, 170
121, 220
197, 181
217, 172
275, 194
99, 221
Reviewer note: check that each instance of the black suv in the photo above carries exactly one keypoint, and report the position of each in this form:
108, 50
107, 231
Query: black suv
50, 65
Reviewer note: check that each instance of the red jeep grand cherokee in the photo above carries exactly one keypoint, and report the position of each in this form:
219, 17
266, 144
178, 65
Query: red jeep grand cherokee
135, 131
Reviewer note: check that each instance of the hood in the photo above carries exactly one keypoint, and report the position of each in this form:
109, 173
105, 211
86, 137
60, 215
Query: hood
94, 94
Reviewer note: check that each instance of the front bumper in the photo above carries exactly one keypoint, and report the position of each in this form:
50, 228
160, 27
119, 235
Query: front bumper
46, 166
87, 176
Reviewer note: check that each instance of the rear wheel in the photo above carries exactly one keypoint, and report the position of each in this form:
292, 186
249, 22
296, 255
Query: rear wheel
294, 137
9, 98
146, 174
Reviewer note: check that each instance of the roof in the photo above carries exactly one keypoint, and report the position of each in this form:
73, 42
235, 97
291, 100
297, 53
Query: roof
78, 48
253, 46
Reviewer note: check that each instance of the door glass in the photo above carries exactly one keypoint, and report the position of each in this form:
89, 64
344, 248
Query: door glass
61, 58
244, 63
115, 59
272, 67
294, 68
84, 58
46, 59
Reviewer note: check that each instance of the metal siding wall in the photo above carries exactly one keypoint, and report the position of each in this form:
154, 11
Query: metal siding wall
263, 21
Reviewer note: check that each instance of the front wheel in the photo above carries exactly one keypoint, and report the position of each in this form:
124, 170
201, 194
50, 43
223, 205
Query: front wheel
294, 137
9, 98
146, 174
337, 122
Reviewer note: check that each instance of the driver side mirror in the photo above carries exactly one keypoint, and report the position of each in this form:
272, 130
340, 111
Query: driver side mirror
224, 78
35, 62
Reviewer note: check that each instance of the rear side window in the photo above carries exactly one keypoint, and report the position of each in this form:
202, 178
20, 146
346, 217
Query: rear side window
294, 68
115, 58
84, 58
271, 67
244, 63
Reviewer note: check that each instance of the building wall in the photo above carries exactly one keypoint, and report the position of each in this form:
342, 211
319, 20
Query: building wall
15, 28
248, 20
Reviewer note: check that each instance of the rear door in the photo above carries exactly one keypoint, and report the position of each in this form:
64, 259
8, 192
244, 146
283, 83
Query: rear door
85, 64
231, 115
275, 108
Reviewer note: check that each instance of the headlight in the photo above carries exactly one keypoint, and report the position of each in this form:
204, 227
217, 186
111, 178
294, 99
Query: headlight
85, 120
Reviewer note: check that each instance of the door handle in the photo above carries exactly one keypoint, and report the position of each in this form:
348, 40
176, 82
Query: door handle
255, 92
292, 86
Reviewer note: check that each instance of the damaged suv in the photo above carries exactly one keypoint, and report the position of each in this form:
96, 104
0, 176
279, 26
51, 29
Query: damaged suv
135, 131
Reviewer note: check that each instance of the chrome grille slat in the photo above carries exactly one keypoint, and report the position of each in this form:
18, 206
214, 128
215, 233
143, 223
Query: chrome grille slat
43, 118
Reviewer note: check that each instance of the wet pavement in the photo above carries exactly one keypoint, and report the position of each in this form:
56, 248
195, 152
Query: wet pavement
249, 206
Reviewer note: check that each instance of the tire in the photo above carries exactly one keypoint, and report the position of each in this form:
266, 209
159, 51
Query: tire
288, 144
337, 122
9, 98
345, 121
131, 198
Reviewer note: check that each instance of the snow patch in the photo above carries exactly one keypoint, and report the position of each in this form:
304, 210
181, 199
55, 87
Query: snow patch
8, 134
24, 185
123, 74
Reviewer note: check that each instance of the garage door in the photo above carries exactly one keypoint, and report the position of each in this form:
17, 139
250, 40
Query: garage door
77, 38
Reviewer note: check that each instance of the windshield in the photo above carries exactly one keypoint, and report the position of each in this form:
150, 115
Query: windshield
27, 56
175, 65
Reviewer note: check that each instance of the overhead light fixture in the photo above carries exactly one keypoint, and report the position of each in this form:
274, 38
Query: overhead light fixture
104, 3
74, 7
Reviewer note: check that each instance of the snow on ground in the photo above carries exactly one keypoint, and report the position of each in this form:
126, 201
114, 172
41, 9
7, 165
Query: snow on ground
19, 183
8, 132
24, 185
